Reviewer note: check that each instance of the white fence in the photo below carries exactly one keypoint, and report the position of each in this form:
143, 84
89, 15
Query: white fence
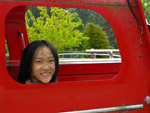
111, 53
113, 56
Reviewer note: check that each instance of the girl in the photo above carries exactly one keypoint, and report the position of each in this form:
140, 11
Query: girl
39, 63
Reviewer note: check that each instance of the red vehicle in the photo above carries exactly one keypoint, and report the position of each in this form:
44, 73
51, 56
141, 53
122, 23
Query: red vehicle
81, 88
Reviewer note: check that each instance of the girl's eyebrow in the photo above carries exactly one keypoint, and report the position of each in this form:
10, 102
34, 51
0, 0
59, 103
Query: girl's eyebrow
51, 57
38, 58
41, 58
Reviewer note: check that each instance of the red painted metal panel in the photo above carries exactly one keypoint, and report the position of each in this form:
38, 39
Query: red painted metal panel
75, 69
90, 77
16, 18
76, 72
130, 86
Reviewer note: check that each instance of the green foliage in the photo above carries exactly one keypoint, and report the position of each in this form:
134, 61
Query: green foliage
77, 19
97, 37
89, 16
146, 7
6, 46
143, 3
61, 28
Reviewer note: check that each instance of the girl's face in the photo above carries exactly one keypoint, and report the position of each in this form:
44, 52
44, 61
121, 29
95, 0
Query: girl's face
43, 66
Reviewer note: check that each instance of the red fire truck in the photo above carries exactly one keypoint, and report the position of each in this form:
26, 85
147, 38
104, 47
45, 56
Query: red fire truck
81, 88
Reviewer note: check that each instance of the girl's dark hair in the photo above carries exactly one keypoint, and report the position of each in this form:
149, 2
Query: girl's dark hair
27, 57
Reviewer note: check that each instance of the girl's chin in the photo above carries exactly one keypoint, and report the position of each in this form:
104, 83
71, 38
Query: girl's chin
46, 81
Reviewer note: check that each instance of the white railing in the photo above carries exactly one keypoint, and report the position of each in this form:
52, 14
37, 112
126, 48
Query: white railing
71, 58
111, 53
103, 51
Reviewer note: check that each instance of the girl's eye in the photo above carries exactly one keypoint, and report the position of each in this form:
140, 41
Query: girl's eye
51, 61
38, 61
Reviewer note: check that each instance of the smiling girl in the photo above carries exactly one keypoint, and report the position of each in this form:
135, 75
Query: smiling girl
39, 63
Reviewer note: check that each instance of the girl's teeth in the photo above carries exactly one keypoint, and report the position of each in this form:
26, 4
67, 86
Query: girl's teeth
45, 74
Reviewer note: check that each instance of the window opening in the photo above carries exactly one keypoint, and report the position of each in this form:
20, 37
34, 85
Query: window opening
84, 40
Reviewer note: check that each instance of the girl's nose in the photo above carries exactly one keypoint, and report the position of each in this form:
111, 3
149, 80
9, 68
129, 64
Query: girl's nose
46, 67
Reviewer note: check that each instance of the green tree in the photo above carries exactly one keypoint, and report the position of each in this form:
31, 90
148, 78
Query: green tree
59, 28
89, 16
97, 37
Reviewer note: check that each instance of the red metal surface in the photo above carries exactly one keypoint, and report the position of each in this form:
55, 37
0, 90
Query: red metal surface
130, 86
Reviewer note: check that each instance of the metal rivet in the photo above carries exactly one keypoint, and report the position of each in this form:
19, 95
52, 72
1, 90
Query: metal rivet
147, 100
130, 20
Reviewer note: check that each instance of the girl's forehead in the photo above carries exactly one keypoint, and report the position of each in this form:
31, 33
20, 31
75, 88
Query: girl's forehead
44, 51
